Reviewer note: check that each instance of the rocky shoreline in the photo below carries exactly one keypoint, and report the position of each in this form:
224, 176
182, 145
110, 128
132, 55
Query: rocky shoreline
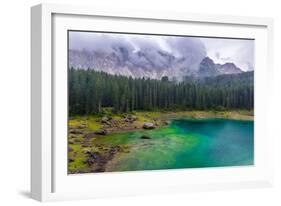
97, 156
86, 156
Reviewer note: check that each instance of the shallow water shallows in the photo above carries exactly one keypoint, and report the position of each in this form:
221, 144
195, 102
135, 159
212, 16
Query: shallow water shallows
185, 143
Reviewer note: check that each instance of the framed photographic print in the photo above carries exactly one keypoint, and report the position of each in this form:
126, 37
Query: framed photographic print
133, 102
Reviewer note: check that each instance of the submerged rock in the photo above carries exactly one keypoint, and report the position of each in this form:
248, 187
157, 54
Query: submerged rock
148, 125
145, 137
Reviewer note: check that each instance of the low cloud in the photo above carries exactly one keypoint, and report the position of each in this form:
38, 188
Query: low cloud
237, 51
169, 55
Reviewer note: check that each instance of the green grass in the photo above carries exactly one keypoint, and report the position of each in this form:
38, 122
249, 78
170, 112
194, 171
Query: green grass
92, 122
76, 121
78, 157
151, 114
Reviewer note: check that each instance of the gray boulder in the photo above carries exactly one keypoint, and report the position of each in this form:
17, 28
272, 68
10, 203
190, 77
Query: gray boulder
101, 132
104, 120
130, 118
148, 125
133, 117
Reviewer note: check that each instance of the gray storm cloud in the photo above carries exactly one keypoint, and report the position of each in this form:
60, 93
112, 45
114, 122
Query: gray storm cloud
144, 55
181, 47
97, 41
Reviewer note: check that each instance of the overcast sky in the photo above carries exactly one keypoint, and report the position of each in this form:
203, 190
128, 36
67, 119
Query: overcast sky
237, 51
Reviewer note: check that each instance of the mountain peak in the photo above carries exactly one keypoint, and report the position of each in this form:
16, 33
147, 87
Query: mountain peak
207, 59
207, 67
229, 68
146, 63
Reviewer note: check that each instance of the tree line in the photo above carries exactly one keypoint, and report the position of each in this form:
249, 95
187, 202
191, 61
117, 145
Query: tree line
90, 91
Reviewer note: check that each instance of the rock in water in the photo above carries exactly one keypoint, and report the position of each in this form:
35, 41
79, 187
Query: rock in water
166, 122
148, 125
145, 137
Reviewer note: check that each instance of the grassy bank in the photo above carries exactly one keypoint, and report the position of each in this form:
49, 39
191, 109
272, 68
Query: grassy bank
93, 122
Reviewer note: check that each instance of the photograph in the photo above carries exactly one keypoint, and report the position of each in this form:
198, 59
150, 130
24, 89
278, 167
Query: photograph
139, 101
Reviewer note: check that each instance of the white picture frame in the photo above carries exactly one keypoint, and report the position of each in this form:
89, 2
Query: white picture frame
49, 180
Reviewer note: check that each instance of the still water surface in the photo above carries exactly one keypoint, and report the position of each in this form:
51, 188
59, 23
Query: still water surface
186, 143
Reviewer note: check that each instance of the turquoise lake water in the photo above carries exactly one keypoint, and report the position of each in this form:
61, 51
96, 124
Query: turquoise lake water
186, 143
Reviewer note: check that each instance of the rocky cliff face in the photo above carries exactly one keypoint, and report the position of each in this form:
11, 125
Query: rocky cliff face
229, 68
207, 68
149, 63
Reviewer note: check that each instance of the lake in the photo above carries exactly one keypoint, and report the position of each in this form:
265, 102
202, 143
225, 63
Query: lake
184, 143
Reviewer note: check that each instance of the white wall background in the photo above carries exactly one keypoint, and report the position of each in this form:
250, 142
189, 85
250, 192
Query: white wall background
15, 101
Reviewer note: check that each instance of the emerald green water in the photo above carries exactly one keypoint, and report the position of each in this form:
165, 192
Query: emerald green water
186, 144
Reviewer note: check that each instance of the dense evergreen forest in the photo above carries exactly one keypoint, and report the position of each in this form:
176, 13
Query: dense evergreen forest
90, 91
